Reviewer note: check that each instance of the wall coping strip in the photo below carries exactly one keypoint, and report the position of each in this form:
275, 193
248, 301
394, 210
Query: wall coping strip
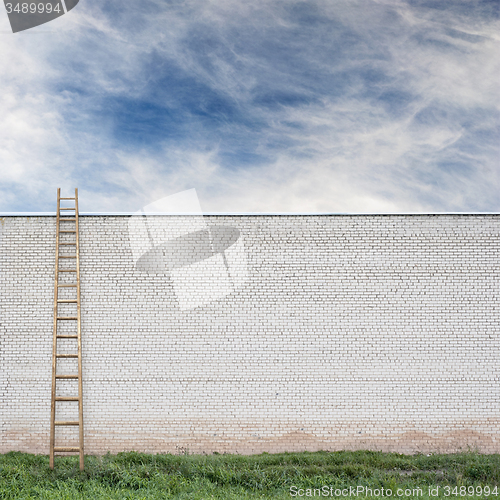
127, 214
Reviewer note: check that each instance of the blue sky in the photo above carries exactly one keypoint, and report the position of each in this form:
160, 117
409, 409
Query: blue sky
262, 106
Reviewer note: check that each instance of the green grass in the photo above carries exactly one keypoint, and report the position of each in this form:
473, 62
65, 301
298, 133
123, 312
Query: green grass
140, 476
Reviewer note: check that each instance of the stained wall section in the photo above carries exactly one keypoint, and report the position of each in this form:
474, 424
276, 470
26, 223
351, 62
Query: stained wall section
348, 332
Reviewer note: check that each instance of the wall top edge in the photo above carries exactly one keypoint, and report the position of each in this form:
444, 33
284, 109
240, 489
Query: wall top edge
128, 214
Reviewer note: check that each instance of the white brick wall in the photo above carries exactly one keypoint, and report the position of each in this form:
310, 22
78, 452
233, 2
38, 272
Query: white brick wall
349, 332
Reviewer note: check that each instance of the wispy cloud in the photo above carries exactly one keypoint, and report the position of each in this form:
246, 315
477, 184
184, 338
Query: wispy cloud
365, 105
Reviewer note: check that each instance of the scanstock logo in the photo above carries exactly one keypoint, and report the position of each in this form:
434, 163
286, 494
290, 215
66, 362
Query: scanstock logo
26, 15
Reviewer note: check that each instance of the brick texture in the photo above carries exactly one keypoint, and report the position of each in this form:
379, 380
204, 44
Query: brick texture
344, 332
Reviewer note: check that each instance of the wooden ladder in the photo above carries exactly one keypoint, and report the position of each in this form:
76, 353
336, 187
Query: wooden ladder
67, 230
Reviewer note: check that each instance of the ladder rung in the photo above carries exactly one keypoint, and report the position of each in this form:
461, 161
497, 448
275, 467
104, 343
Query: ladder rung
67, 422
67, 398
67, 301
74, 244
66, 376
67, 336
66, 355
74, 208
58, 449
65, 231
66, 286
67, 198
67, 270
67, 317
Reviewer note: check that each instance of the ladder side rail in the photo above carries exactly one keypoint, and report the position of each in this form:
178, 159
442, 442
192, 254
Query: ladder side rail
54, 339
